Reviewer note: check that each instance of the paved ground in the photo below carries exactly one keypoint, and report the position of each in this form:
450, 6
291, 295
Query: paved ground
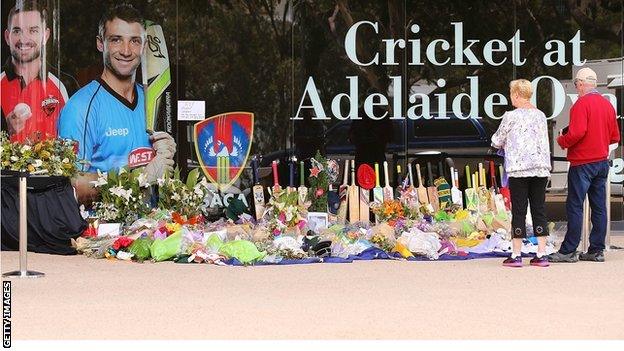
82, 298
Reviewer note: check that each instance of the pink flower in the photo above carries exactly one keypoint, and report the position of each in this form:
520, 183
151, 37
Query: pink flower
282, 217
276, 232
319, 192
301, 224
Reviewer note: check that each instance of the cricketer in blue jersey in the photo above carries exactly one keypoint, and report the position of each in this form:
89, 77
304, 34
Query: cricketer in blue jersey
107, 116
108, 127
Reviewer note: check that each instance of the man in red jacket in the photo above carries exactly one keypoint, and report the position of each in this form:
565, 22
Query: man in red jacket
593, 126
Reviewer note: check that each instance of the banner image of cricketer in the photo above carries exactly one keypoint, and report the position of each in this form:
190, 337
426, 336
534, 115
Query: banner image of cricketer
32, 97
108, 116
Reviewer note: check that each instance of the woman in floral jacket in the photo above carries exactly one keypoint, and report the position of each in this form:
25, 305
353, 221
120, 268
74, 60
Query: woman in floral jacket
523, 135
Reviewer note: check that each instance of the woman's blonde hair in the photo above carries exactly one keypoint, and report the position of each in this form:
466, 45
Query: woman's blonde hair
522, 87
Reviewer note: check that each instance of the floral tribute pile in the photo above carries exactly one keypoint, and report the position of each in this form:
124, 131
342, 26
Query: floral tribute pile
171, 223
54, 157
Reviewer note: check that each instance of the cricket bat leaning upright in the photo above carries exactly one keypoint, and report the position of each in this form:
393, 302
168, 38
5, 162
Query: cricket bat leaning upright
276, 187
412, 187
484, 195
456, 194
471, 195
291, 176
422, 191
398, 182
354, 195
388, 193
343, 192
432, 191
364, 205
377, 190
302, 190
258, 190
460, 200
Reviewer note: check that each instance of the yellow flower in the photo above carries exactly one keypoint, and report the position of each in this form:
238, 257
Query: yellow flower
45, 155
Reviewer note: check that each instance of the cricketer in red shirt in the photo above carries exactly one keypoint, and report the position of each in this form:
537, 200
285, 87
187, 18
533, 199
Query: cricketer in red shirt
25, 80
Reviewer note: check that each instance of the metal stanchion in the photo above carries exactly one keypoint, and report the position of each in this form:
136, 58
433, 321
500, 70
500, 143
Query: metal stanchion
586, 225
23, 235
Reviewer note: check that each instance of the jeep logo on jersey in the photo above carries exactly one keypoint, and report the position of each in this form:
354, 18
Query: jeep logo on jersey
140, 156
117, 132
222, 145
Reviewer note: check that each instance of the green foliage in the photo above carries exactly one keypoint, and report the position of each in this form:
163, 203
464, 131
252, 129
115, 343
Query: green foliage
319, 184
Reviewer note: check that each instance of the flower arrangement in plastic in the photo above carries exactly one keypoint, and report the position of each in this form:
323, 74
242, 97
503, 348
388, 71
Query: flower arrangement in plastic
184, 198
284, 213
382, 242
390, 211
55, 157
123, 194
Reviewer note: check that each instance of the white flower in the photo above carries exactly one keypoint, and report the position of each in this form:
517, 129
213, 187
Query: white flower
142, 179
14, 158
65, 160
37, 163
198, 191
176, 197
121, 192
101, 180
25, 148
161, 181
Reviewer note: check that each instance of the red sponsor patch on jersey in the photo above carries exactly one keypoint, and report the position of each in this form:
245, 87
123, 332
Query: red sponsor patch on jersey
140, 156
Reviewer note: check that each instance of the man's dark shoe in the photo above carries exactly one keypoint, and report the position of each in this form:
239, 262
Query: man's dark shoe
597, 256
558, 257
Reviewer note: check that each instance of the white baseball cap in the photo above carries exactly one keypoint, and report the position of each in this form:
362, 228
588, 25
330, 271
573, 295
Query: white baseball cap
587, 74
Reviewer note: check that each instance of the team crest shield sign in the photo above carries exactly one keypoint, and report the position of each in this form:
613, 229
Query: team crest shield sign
222, 144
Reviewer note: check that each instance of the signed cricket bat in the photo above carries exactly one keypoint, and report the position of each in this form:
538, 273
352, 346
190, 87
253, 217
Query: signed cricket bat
471, 202
258, 190
364, 205
343, 192
484, 195
302, 190
354, 195
456, 194
388, 193
422, 191
378, 195
432, 191
276, 187
412, 189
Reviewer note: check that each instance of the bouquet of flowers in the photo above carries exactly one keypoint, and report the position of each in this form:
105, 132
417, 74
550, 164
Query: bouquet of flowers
55, 157
284, 212
124, 197
185, 198
390, 211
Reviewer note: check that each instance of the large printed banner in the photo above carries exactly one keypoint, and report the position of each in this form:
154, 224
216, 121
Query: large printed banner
222, 144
